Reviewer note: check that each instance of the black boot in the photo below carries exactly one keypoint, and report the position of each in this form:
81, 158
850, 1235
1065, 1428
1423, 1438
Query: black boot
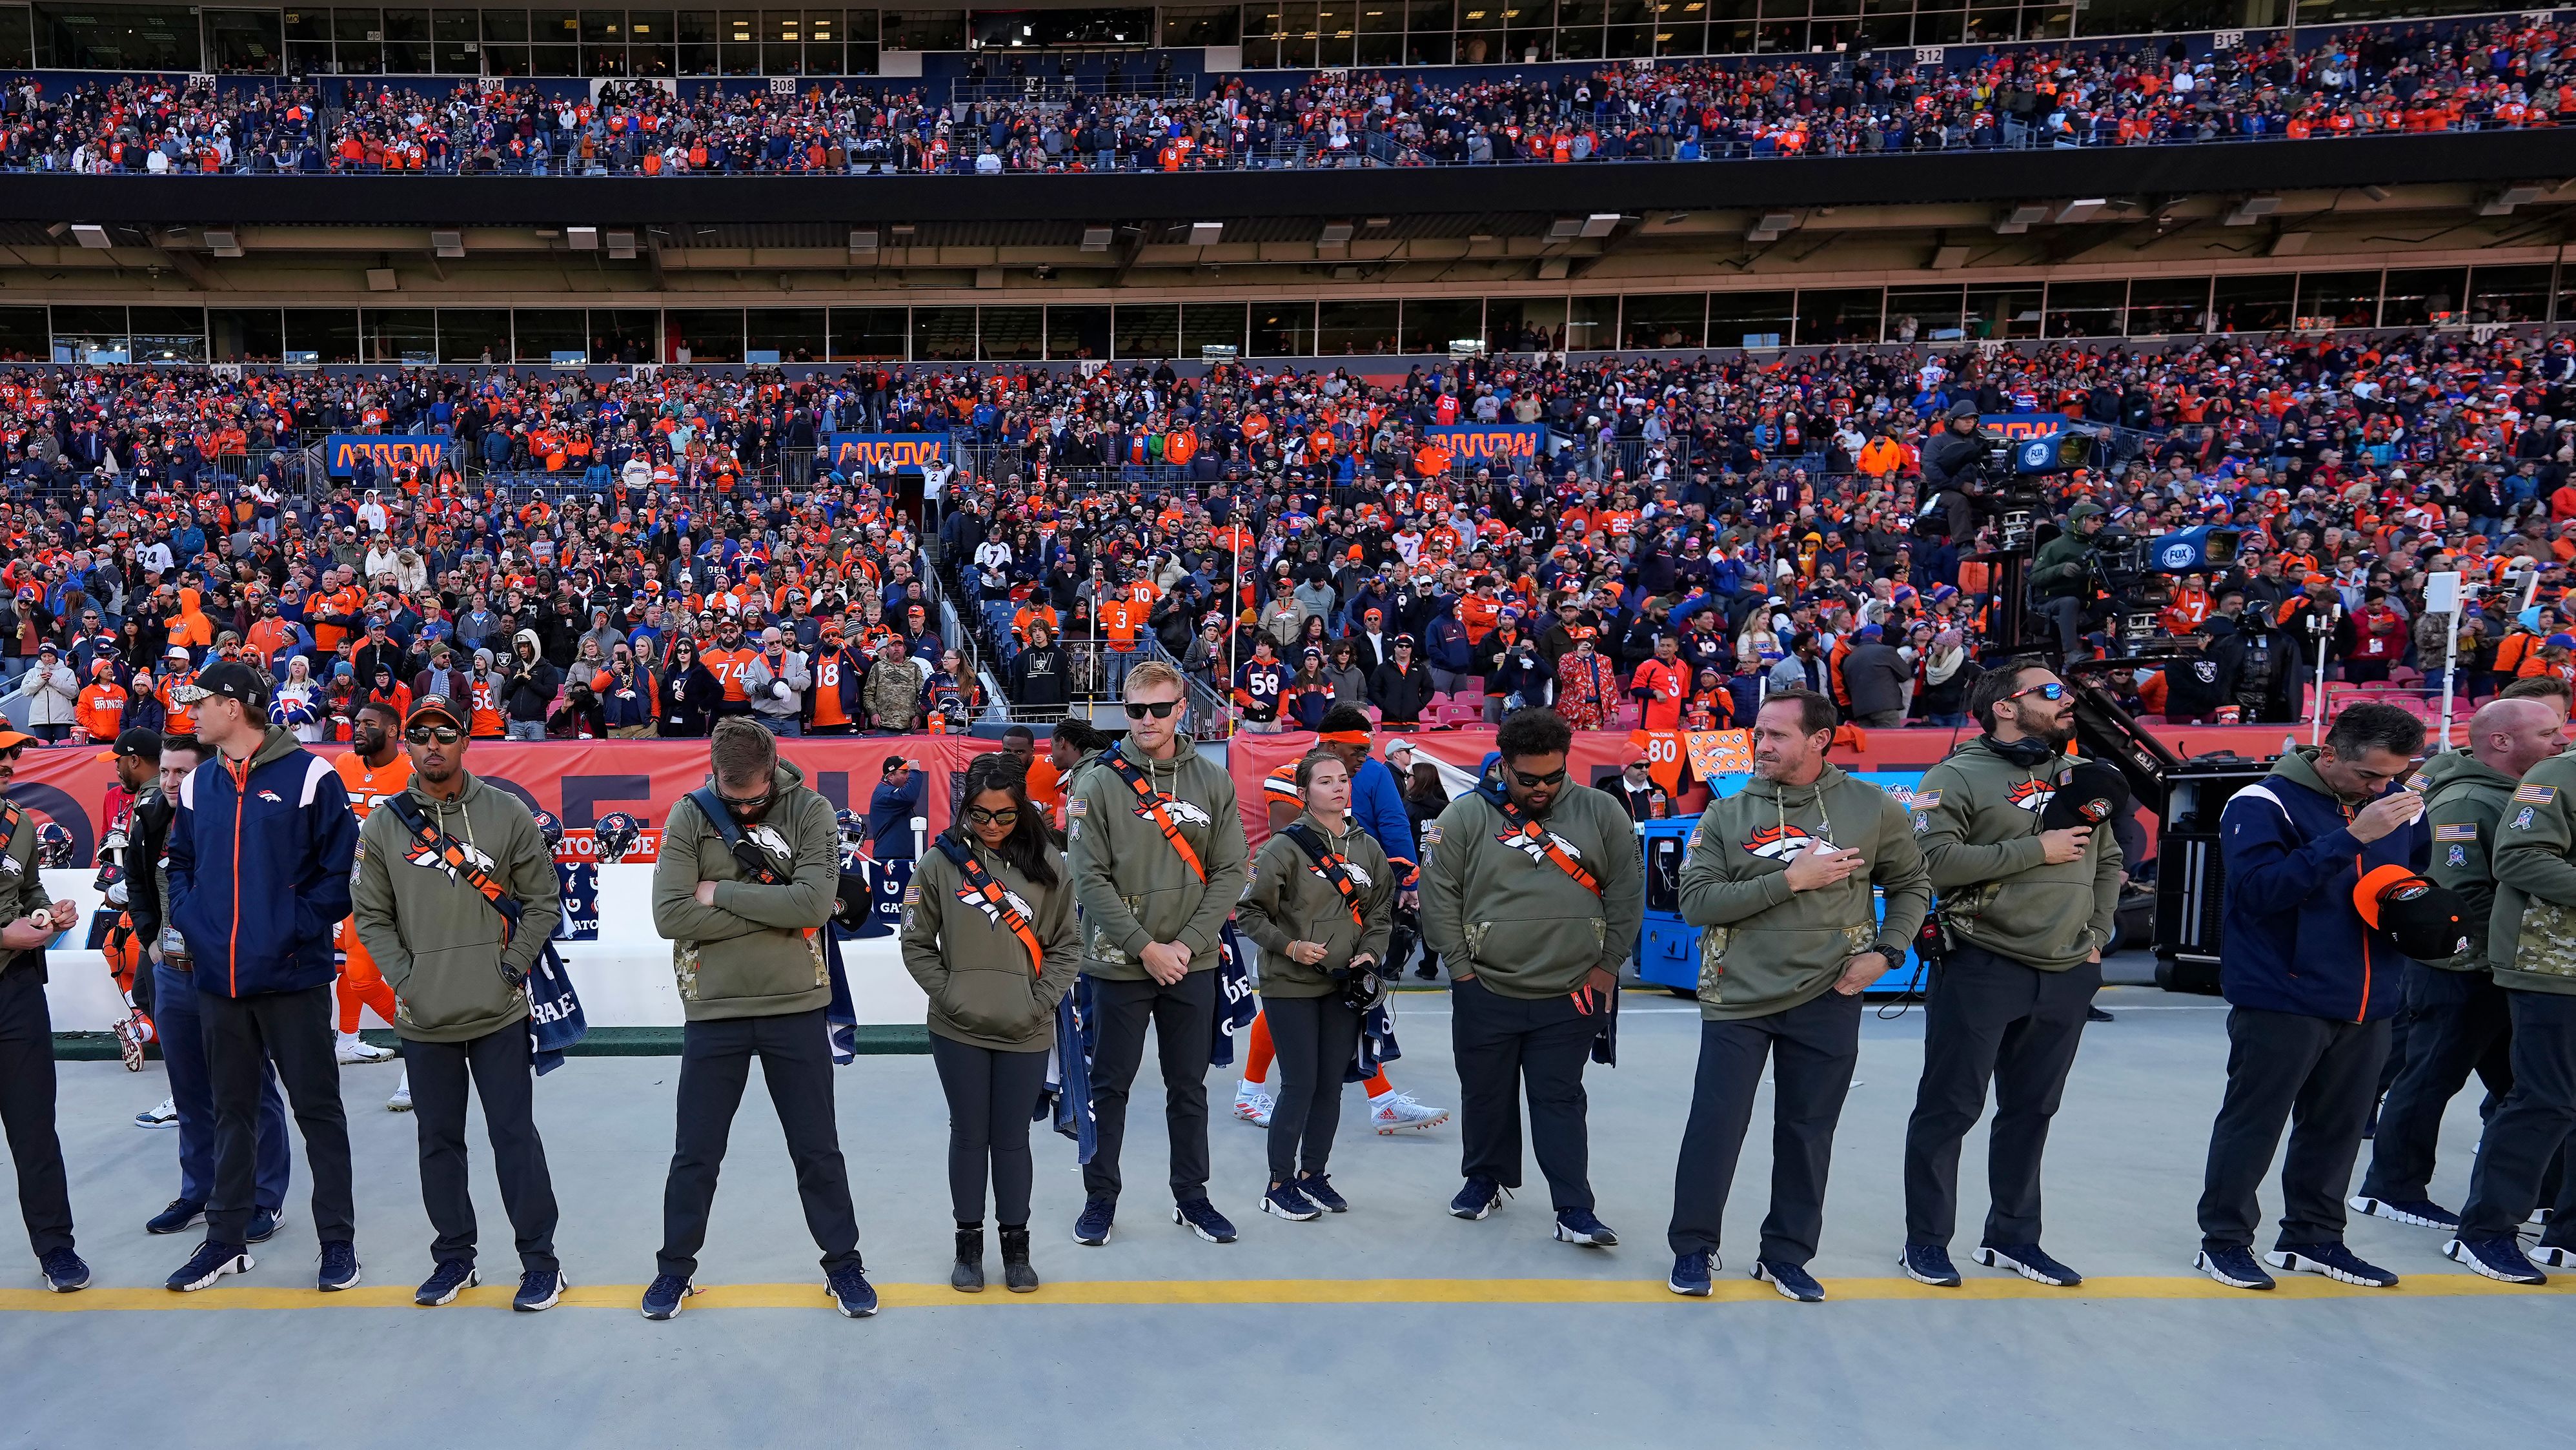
968, 1276
1017, 1276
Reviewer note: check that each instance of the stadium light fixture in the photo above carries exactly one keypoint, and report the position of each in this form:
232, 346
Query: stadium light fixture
1097, 239
863, 240
2502, 202
621, 246
447, 243
380, 279
91, 235
223, 241
2019, 219
1600, 223
2251, 210
2081, 211
1206, 234
2290, 244
582, 239
1335, 234
1949, 258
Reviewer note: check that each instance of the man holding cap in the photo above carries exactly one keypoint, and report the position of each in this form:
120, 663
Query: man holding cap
2028, 890
2310, 989
459, 969
259, 876
27, 1038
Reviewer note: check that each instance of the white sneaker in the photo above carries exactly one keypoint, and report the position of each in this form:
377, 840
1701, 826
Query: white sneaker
400, 1102
164, 1116
1252, 1105
1399, 1110
353, 1049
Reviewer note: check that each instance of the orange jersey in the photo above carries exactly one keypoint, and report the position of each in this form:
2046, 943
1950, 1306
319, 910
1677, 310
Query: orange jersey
826, 694
729, 665
488, 722
368, 787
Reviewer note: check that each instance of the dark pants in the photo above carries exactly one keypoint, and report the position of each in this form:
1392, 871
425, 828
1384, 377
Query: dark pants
2530, 1126
1315, 1038
2319, 1077
795, 1052
498, 1062
27, 1105
1184, 1020
182, 1030
244, 1036
991, 1096
1990, 1017
2459, 1024
1812, 1048
1506, 1046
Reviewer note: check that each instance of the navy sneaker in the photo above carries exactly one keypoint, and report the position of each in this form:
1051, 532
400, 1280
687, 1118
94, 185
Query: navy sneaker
1099, 1211
1480, 1197
851, 1293
339, 1266
539, 1289
210, 1262
1929, 1264
263, 1225
2499, 1259
1320, 1192
2332, 1260
2420, 1212
1792, 1280
1578, 1226
450, 1278
1204, 1220
1691, 1273
179, 1216
2555, 1256
2030, 1261
2234, 1267
64, 1271
1284, 1201
666, 1296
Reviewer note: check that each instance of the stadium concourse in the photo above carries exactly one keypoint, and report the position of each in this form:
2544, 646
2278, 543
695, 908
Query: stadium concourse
1395, 1321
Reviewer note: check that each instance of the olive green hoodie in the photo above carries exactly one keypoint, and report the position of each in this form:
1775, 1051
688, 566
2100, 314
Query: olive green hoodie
1768, 949
434, 937
982, 989
758, 951
27, 886
1133, 888
2464, 801
1517, 922
2531, 934
1976, 817
1289, 900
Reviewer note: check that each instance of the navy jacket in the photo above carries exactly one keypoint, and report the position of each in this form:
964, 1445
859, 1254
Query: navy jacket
890, 813
260, 859
2293, 941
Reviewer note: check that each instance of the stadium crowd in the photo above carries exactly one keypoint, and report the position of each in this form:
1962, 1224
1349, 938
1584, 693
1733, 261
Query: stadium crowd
2498, 75
1696, 531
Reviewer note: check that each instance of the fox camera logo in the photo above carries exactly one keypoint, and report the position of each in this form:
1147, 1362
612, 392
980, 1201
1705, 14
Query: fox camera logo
1779, 843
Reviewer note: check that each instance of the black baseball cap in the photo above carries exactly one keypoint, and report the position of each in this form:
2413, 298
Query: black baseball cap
2410, 914
2091, 794
138, 742
231, 680
433, 707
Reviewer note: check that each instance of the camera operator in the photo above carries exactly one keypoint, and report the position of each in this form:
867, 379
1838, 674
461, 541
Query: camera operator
1952, 461
2060, 574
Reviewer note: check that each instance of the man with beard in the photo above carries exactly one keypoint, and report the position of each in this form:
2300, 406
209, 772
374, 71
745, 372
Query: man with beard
372, 770
2026, 913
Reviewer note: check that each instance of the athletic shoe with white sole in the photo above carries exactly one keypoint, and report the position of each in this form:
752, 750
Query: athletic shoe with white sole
400, 1102
1099, 1215
1478, 1198
1202, 1219
2420, 1212
666, 1296
210, 1262
2499, 1259
1284, 1201
1792, 1280
1691, 1273
1929, 1264
2554, 1256
352, 1050
164, 1116
1391, 1113
339, 1267
263, 1224
539, 1289
1319, 1191
1579, 1226
2233, 1267
850, 1292
131, 1034
181, 1214
64, 1272
451, 1278
1252, 1105
2334, 1261
2030, 1261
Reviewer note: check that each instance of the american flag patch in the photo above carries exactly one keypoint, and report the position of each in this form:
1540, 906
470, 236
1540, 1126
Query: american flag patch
2455, 833
2537, 795
2418, 781
1925, 800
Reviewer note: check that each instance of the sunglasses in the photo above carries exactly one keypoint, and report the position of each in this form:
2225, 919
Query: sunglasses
433, 734
1159, 709
1533, 782
746, 804
1006, 816
2052, 691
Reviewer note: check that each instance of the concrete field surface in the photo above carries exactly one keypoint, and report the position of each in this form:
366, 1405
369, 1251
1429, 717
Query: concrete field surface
1395, 1324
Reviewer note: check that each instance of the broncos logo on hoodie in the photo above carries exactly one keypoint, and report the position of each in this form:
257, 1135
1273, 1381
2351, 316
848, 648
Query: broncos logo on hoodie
1779, 843
2031, 795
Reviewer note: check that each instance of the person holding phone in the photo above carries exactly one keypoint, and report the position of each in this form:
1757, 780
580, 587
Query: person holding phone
1321, 905
988, 932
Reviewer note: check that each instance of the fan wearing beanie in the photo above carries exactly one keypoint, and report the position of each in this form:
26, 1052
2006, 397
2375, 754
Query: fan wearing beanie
2312, 984
2016, 835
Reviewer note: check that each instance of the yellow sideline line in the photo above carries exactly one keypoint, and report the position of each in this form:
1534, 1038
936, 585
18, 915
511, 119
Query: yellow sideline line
1222, 1292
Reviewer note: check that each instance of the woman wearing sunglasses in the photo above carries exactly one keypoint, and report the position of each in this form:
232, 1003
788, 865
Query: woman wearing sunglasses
1322, 907
988, 932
